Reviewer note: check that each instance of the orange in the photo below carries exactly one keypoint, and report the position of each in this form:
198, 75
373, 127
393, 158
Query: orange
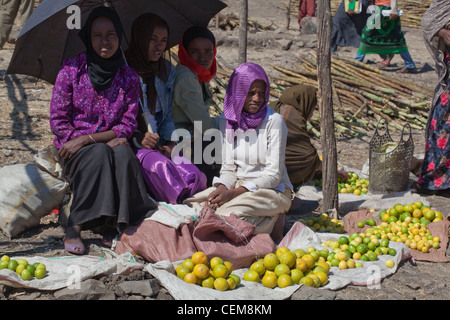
282, 269
281, 250
299, 253
259, 267
231, 283
324, 265
236, 279
429, 214
288, 258
199, 258
190, 278
417, 213
309, 259
322, 277
315, 279
307, 281
301, 265
187, 263
221, 284
220, 271
229, 266
201, 271
208, 283
214, 262
269, 280
296, 275
251, 275
271, 261
284, 281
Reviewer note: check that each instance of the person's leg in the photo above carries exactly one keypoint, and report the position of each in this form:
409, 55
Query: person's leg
409, 62
26, 9
8, 13
359, 56
310, 8
91, 182
301, 11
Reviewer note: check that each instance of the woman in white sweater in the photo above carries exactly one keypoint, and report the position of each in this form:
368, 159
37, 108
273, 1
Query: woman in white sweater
253, 182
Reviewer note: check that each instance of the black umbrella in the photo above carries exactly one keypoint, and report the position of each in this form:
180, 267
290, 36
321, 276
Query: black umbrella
48, 37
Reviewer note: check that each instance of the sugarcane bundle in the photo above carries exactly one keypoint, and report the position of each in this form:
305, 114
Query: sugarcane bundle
362, 95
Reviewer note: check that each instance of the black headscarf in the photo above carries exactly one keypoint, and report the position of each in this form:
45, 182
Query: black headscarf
102, 71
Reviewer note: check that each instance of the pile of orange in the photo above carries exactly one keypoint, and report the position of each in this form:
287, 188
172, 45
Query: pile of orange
26, 270
285, 268
323, 223
215, 273
408, 224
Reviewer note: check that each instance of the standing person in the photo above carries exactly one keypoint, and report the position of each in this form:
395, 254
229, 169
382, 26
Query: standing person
165, 180
435, 174
306, 8
386, 39
253, 181
192, 96
92, 114
348, 26
8, 13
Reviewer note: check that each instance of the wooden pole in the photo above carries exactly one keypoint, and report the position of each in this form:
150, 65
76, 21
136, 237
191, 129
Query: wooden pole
243, 17
325, 102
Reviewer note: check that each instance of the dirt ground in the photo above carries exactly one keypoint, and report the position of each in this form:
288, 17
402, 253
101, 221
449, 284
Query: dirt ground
24, 129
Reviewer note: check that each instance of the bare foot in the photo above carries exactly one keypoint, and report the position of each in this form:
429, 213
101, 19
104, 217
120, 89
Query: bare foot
72, 240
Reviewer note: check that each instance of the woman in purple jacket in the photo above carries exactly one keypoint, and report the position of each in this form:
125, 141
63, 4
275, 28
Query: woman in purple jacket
92, 114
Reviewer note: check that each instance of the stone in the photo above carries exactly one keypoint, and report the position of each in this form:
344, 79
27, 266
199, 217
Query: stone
310, 293
145, 288
90, 289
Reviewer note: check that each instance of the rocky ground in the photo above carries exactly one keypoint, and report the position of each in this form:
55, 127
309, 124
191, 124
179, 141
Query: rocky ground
24, 130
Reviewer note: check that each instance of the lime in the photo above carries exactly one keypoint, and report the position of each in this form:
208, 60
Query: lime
12, 265
385, 242
40, 273
5, 258
373, 256
3, 264
392, 251
26, 275
343, 240
360, 224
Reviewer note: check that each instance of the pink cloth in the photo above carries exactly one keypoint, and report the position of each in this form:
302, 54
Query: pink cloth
306, 8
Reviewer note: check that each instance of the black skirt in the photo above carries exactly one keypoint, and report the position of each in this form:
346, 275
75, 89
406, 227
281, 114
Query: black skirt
107, 186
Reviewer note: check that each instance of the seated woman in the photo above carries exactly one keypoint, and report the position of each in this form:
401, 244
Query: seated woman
253, 182
192, 96
303, 163
92, 114
165, 180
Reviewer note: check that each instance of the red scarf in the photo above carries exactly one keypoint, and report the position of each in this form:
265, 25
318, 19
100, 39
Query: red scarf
202, 74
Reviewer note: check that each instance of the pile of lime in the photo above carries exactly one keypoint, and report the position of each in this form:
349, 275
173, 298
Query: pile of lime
23, 268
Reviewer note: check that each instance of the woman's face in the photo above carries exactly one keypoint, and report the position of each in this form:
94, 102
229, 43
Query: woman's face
158, 43
201, 50
255, 97
104, 37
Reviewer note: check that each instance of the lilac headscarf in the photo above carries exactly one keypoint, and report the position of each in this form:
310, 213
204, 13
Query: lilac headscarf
237, 90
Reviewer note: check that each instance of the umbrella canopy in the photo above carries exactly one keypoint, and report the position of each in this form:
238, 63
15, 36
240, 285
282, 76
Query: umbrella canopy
46, 40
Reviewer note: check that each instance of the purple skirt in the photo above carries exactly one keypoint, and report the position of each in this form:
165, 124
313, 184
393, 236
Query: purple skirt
167, 181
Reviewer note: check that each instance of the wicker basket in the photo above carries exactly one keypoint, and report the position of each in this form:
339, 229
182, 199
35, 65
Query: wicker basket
390, 162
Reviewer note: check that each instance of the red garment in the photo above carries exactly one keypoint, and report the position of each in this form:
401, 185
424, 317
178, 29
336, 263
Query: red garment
383, 2
202, 74
306, 8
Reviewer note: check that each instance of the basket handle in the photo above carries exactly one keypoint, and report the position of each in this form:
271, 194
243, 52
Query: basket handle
378, 123
403, 132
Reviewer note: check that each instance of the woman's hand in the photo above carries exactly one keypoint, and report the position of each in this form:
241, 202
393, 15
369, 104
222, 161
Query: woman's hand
150, 140
222, 195
117, 142
71, 147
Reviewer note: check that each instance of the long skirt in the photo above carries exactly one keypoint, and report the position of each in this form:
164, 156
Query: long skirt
261, 208
435, 174
385, 38
107, 185
167, 181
